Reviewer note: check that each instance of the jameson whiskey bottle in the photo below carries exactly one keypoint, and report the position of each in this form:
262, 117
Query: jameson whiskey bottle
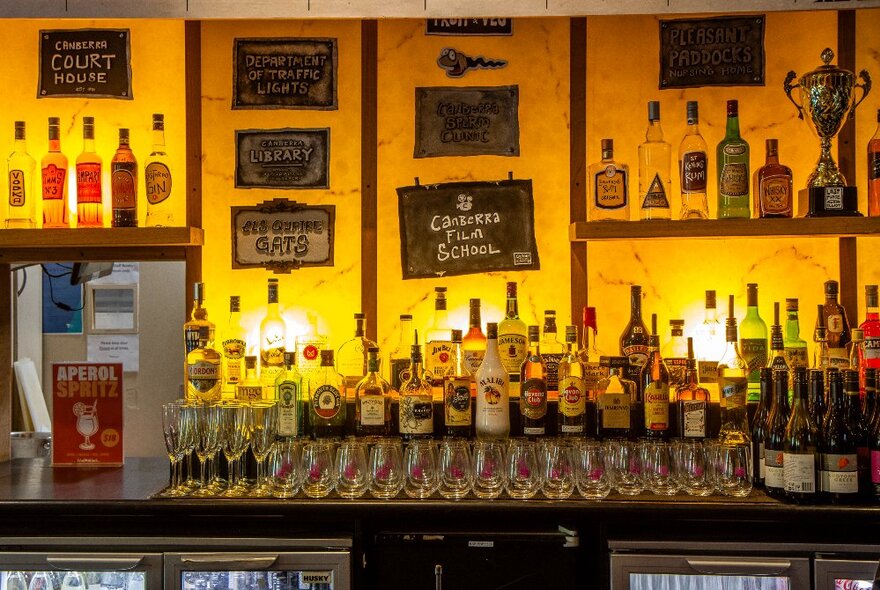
203, 369
693, 168
234, 348
457, 393
733, 169
837, 327
21, 167
492, 404
654, 381
753, 342
609, 187
273, 336
795, 347
733, 385
692, 400
89, 195
533, 388
249, 389
327, 411
290, 389
373, 405
157, 177
634, 339
399, 359
551, 350
54, 177
655, 164
512, 338
473, 345
438, 340
572, 416
615, 401
123, 184
416, 409
773, 186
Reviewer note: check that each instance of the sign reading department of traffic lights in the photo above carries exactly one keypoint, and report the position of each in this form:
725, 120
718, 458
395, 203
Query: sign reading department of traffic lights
92, 63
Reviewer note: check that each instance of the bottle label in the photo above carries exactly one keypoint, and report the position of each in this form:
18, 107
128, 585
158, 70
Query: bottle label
775, 194
733, 393
834, 324
762, 466
839, 474
88, 183
53, 182
439, 361
657, 406
610, 188
372, 410
572, 398
693, 172
399, 372
754, 352
656, 198
272, 356
326, 401
637, 355
191, 338
875, 467
872, 349
17, 196
513, 350
778, 364
693, 415
734, 179
158, 182
874, 166
288, 403
551, 364
708, 371
233, 352
837, 357
457, 401
473, 359
203, 375
533, 399
677, 371
123, 189
615, 409
416, 414
797, 357
773, 469
799, 473
248, 393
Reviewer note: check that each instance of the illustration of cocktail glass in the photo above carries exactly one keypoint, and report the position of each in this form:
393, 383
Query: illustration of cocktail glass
86, 423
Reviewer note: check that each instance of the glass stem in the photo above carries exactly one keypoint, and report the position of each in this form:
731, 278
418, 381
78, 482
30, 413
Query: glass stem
203, 470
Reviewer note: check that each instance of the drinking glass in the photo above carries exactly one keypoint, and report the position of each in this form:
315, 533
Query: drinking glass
624, 462
352, 472
16, 580
659, 468
558, 473
235, 437
386, 468
455, 468
488, 469
176, 431
286, 476
317, 469
523, 469
593, 480
734, 477
422, 469
693, 467
207, 416
73, 581
263, 427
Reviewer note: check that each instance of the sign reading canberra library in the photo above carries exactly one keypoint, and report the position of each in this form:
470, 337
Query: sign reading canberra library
467, 228
290, 73
282, 158
282, 235
85, 62
719, 51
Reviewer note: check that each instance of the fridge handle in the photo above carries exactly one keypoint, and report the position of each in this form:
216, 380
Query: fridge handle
241, 561
93, 563
734, 568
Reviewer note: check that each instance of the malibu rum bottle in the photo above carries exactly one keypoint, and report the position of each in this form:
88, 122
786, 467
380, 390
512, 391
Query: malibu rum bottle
123, 184
157, 179
733, 169
327, 412
89, 194
609, 187
373, 400
572, 416
21, 168
655, 163
693, 168
54, 176
457, 393
773, 186
733, 386
654, 381
492, 403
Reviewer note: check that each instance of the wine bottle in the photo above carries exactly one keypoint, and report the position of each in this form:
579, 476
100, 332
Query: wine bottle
759, 426
817, 406
774, 443
654, 381
838, 452
801, 443
493, 407
753, 342
856, 422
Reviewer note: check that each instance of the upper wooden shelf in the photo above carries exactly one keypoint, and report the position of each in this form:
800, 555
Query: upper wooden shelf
829, 227
98, 244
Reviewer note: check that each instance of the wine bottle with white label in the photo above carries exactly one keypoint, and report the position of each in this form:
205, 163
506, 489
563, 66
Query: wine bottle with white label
801, 447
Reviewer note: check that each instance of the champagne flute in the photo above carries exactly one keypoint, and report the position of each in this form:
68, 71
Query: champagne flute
208, 434
263, 426
235, 439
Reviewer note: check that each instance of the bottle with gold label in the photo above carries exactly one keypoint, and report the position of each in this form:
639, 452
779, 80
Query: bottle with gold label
533, 388
373, 400
123, 184
54, 177
457, 393
473, 345
493, 401
733, 169
572, 416
291, 388
615, 400
655, 162
773, 191
512, 339
250, 388
157, 179
654, 381
837, 326
416, 406
327, 408
273, 337
693, 168
438, 340
609, 187
203, 370
21, 169
89, 192
234, 342
692, 400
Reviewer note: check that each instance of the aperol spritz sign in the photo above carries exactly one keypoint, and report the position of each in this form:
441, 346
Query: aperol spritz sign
87, 414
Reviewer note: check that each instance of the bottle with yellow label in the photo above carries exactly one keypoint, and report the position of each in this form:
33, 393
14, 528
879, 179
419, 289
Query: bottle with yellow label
203, 370
512, 339
572, 416
654, 379
249, 389
438, 341
157, 179
533, 388
457, 393
609, 187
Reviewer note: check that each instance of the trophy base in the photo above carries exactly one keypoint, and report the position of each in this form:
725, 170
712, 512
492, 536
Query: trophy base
829, 201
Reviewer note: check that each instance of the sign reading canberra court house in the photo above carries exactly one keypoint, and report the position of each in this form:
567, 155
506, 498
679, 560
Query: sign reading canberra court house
85, 63
282, 158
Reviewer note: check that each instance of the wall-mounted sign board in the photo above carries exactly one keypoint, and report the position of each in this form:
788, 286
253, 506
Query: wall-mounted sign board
718, 51
288, 73
467, 121
469, 26
282, 235
92, 63
467, 228
282, 158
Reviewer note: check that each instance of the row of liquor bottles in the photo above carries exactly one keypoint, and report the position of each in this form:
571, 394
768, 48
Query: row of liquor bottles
25, 189
771, 192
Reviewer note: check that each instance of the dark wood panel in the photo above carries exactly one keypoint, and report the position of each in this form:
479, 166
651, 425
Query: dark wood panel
846, 156
6, 335
193, 81
369, 173
578, 160
849, 279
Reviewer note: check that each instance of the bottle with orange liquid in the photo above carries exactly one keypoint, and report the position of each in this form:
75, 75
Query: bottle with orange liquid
89, 195
54, 178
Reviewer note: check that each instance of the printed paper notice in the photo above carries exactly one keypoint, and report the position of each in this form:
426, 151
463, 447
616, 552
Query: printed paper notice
115, 348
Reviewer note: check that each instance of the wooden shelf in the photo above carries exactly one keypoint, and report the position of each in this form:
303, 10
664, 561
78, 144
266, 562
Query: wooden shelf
98, 244
828, 227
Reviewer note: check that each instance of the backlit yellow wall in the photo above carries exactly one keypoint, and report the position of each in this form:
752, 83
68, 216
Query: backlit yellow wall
867, 57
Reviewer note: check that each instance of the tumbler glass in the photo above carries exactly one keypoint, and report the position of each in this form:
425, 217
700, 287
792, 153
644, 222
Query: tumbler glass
455, 468
285, 471
558, 473
488, 469
352, 471
386, 468
422, 468
734, 474
624, 461
659, 468
317, 469
523, 469
593, 480
693, 467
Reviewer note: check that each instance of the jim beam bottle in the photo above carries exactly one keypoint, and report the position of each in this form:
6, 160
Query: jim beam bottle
438, 341
533, 388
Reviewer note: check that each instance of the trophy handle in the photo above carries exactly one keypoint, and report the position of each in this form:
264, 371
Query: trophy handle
788, 86
866, 88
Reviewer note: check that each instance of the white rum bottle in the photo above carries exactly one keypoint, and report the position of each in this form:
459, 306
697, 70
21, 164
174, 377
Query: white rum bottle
493, 401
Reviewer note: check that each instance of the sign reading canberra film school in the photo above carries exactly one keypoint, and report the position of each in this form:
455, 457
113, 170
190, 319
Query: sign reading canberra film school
282, 158
290, 73
720, 51
85, 62
467, 121
467, 228
282, 235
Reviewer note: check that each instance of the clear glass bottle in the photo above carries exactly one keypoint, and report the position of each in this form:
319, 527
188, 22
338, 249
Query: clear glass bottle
759, 427
291, 390
692, 401
158, 179
773, 192
327, 408
874, 171
774, 442
616, 408
821, 354
351, 359
203, 370
675, 355
733, 169
250, 388
21, 169
795, 347
800, 460
589, 354
512, 339
416, 406
857, 353
871, 327
655, 165
654, 385
457, 393
234, 348
551, 349
54, 180
438, 340
492, 403
89, 193
273, 337
373, 395
837, 326
838, 450
634, 339
609, 187
733, 385
198, 318
753, 342
399, 359
693, 167
573, 393
533, 388
123, 184
710, 345
309, 347
473, 345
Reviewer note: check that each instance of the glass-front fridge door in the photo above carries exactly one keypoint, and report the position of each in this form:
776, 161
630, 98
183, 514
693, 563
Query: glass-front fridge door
80, 571
845, 574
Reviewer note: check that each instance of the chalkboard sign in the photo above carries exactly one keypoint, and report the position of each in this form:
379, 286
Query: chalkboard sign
720, 51
469, 26
295, 73
282, 235
467, 228
467, 121
282, 158
85, 62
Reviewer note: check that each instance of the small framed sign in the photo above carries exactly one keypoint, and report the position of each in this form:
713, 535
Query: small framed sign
282, 158
282, 235
85, 62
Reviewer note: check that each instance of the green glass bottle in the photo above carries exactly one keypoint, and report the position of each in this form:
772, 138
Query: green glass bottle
753, 342
733, 169
795, 346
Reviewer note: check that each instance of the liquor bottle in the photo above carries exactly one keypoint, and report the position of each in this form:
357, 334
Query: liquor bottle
837, 327
821, 354
693, 167
733, 169
373, 400
21, 167
250, 388
655, 163
533, 388
203, 369
573, 393
871, 406
616, 409
89, 194
838, 451
157, 179
871, 327
874, 171
753, 342
675, 355
492, 404
123, 184
634, 339
473, 345
733, 386
609, 187
654, 382
551, 349
54, 176
438, 340
198, 318
858, 427
692, 400
291, 389
589, 354
309, 347
351, 360
234, 348
774, 440
457, 393
710, 344
512, 339
773, 193
759, 426
817, 406
327, 407
273, 335
857, 353
777, 360
801, 454
416, 407
794, 346
874, 442
399, 359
